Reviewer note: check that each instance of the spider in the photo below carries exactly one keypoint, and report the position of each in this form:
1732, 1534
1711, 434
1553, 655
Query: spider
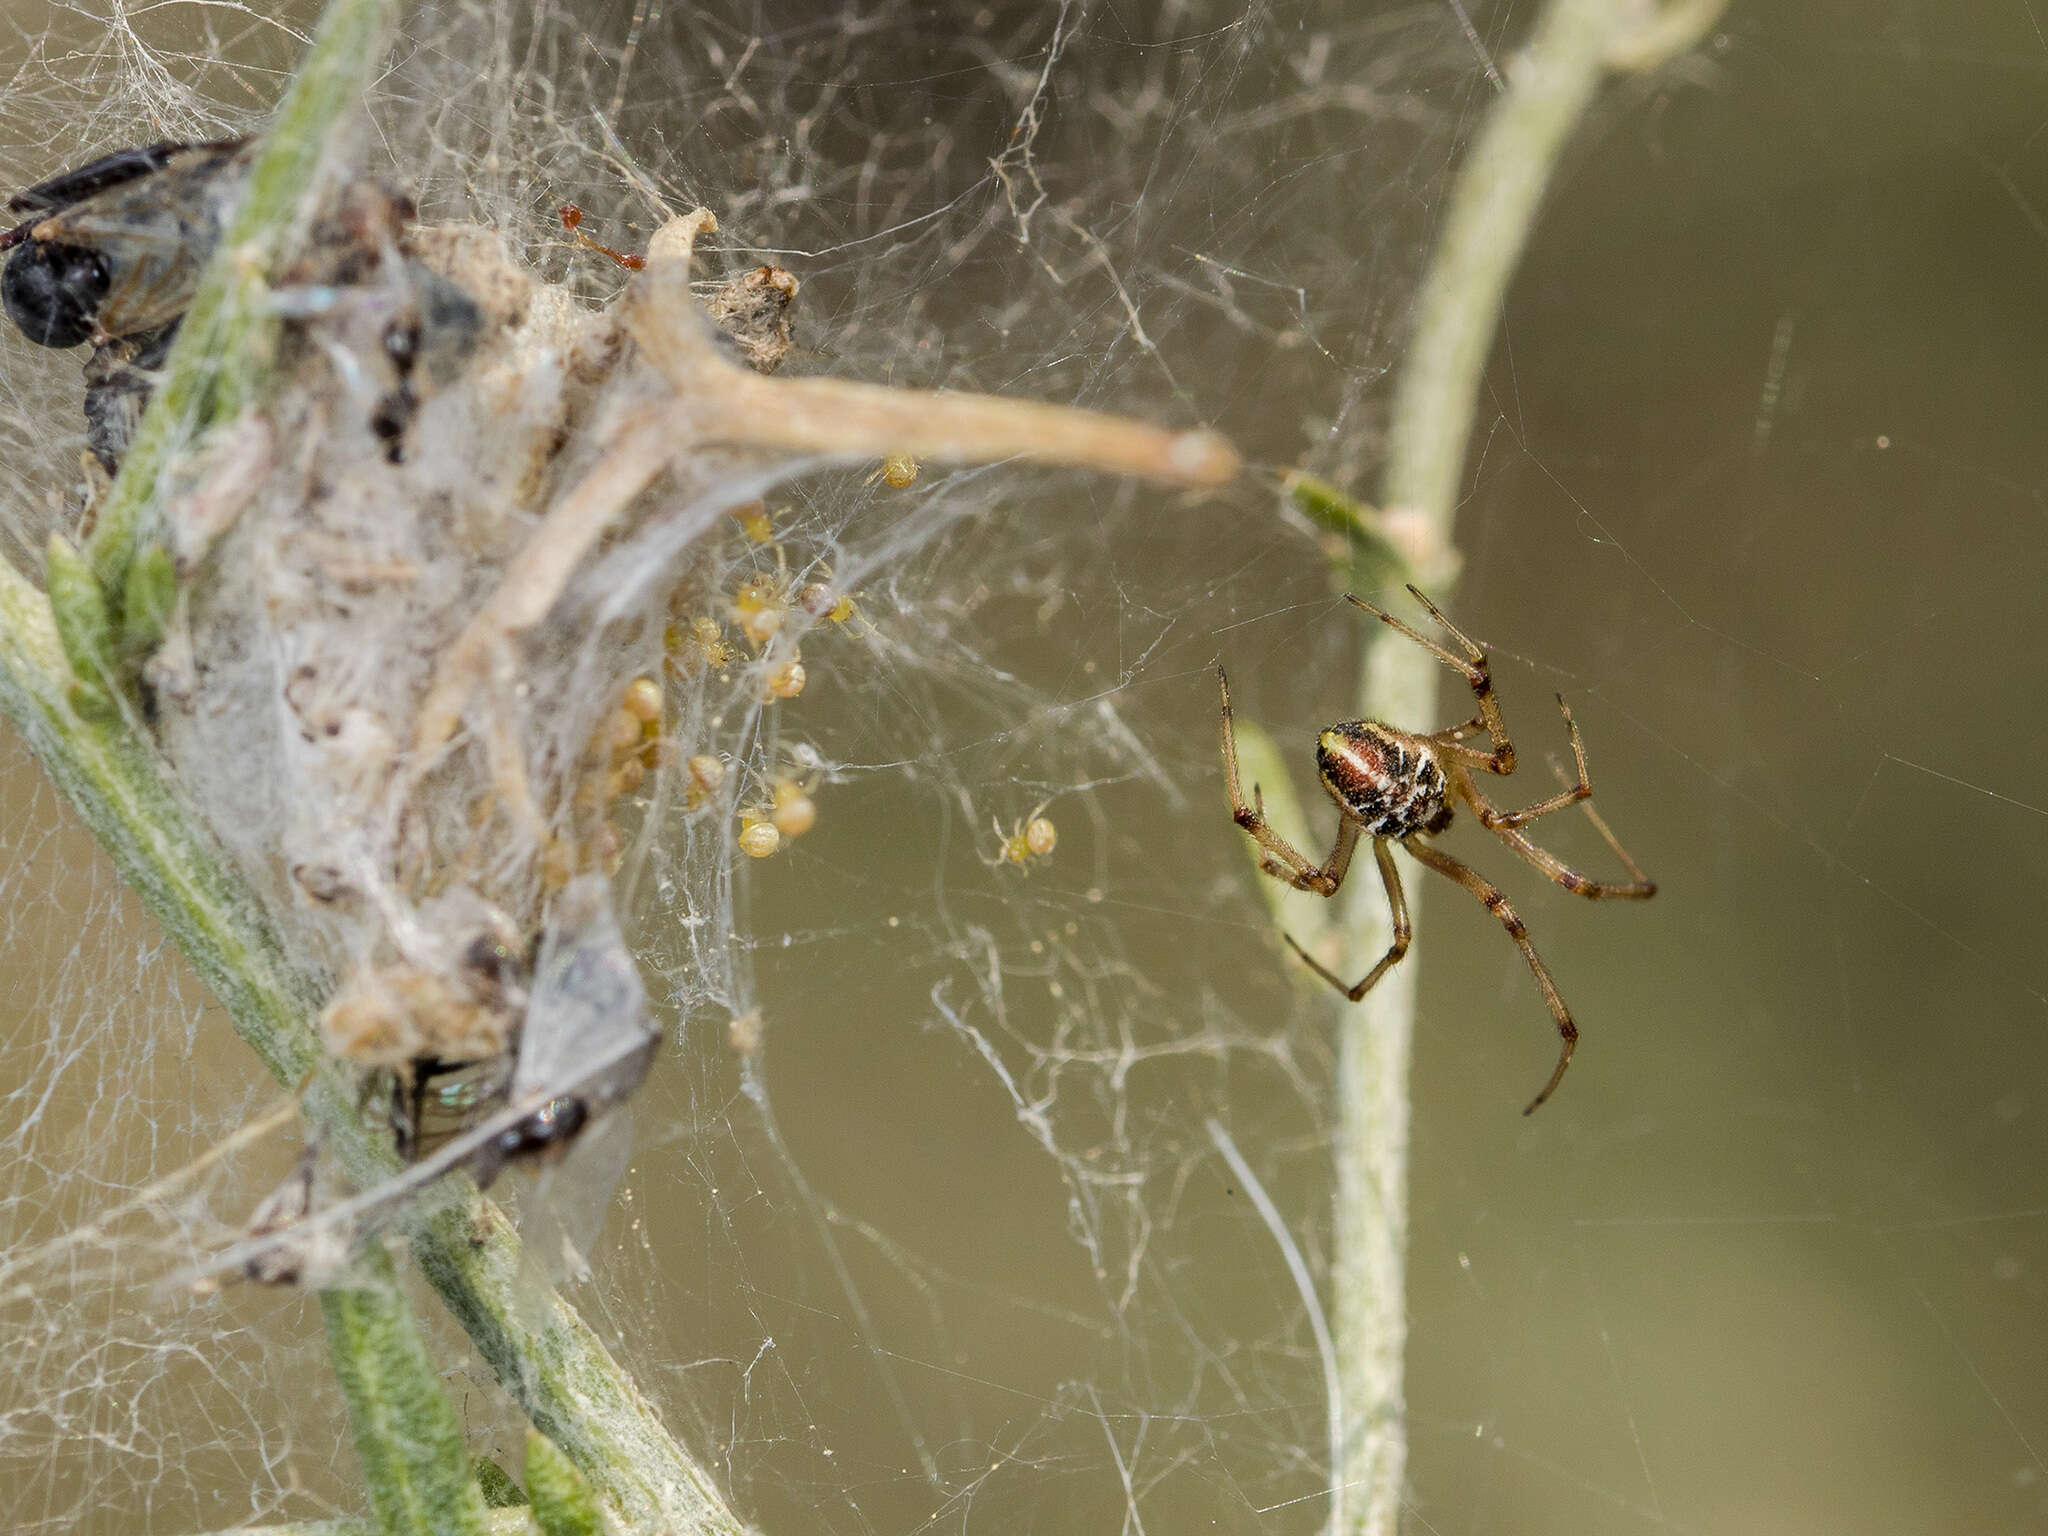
1396, 786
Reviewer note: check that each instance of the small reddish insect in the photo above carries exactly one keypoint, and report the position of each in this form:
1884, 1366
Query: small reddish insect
1396, 786
572, 220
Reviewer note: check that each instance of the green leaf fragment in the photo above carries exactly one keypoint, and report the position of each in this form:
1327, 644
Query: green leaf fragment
563, 1504
406, 1432
499, 1491
1366, 560
147, 601
85, 629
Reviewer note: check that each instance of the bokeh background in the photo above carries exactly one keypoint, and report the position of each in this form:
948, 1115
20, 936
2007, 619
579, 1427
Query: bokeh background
1757, 483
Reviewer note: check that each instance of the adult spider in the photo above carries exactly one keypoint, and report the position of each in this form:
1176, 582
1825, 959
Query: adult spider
1394, 785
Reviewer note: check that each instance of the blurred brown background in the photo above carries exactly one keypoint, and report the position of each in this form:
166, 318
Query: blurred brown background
1757, 484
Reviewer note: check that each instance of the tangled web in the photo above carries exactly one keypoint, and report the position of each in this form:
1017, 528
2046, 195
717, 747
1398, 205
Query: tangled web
923, 1221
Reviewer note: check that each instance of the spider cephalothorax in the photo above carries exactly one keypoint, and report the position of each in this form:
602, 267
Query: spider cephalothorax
1393, 785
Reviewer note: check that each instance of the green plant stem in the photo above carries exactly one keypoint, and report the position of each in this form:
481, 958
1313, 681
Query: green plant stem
1492, 209
564, 1377
543, 1352
406, 1432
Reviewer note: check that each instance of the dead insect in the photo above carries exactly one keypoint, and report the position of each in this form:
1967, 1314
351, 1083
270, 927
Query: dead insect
588, 1038
572, 220
119, 377
115, 248
585, 1046
428, 1100
111, 254
554, 1124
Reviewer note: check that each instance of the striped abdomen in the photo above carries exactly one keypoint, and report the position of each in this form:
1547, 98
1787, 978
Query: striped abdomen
1389, 780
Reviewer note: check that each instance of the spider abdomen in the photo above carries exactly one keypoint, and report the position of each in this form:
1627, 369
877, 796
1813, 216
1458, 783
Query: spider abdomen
1389, 780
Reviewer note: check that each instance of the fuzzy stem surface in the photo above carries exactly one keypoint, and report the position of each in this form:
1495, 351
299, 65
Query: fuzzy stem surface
1493, 204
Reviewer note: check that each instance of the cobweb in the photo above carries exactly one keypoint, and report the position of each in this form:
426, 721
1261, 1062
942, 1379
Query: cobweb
924, 1225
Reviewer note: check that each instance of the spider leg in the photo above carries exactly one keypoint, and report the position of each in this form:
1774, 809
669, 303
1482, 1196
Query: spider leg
1497, 904
1397, 901
1476, 650
1474, 666
1494, 820
1307, 881
1505, 825
1638, 878
1278, 857
1640, 888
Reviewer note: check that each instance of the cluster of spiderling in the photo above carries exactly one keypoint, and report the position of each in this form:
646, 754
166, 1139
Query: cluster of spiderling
788, 813
760, 608
622, 751
768, 610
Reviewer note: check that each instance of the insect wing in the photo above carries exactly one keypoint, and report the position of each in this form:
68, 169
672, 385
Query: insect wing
152, 264
96, 176
587, 1043
154, 232
562, 1213
588, 1031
